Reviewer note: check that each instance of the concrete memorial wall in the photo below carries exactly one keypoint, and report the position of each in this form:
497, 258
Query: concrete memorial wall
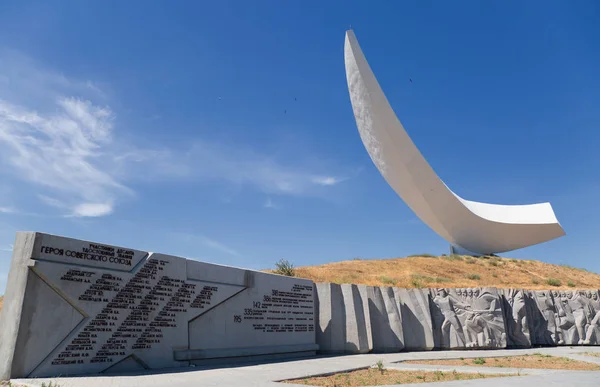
386, 319
473, 318
416, 318
76, 307
543, 322
467, 318
577, 316
518, 309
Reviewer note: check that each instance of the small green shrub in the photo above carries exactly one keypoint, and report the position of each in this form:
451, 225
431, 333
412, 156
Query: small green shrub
495, 275
284, 267
571, 284
426, 278
424, 255
454, 257
387, 280
479, 361
417, 283
475, 277
535, 281
380, 366
553, 282
470, 260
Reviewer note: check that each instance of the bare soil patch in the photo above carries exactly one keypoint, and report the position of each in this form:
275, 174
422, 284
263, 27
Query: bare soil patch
374, 377
525, 361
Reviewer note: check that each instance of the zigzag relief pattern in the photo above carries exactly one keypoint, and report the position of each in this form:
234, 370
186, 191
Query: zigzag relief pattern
130, 312
360, 319
90, 308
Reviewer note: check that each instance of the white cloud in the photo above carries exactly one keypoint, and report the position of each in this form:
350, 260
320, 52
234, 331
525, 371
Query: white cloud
327, 180
269, 204
55, 135
66, 151
92, 209
243, 166
7, 210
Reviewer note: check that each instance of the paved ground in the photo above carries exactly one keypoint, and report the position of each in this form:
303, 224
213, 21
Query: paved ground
267, 375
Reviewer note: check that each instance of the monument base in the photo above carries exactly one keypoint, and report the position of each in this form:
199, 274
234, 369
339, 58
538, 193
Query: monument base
462, 251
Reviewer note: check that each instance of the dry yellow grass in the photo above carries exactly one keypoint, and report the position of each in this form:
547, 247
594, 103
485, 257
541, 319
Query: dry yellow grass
526, 361
373, 377
452, 271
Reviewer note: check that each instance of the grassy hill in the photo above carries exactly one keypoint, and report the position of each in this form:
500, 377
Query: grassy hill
452, 271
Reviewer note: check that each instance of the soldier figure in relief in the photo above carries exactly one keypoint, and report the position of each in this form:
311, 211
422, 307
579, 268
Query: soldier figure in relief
520, 330
594, 319
564, 316
546, 306
579, 307
459, 294
447, 307
481, 318
517, 302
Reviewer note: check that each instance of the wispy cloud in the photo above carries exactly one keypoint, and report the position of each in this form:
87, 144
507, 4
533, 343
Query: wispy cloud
7, 210
269, 204
7, 249
327, 180
63, 151
218, 246
244, 166
208, 242
61, 136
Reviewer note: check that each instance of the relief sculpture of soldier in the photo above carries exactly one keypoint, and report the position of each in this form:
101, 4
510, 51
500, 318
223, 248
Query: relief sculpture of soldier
517, 323
448, 307
593, 329
519, 313
485, 318
579, 305
565, 320
473, 317
545, 328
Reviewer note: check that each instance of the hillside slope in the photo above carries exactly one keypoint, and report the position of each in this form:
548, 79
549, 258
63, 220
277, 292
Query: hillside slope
452, 271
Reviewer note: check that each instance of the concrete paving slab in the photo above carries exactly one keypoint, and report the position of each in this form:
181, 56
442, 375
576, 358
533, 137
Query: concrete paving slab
267, 375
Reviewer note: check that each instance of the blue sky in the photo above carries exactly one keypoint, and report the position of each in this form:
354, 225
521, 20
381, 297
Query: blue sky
223, 131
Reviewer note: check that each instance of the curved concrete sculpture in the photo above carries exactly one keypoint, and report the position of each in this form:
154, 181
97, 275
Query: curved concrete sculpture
479, 228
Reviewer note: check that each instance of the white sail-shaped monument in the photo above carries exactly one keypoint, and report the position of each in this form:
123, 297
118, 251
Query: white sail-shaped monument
478, 228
